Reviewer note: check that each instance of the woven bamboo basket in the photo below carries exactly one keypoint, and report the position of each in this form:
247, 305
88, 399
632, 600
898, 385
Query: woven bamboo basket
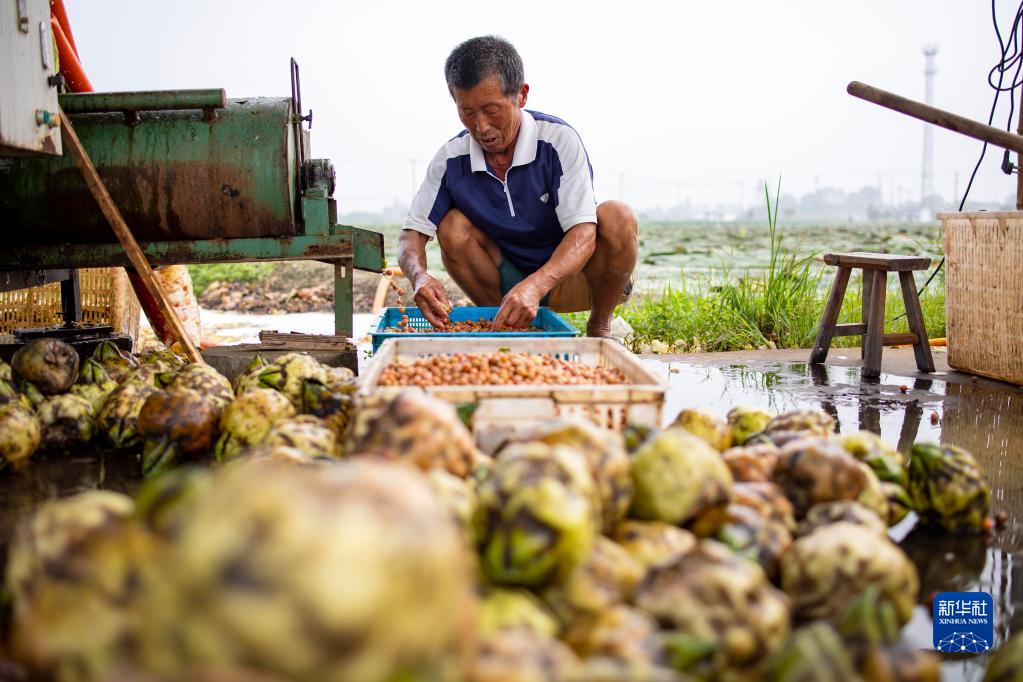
107, 299
984, 292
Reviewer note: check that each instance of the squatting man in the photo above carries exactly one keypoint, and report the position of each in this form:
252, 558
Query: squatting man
510, 200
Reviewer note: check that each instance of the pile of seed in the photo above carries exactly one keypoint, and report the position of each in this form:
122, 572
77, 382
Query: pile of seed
502, 368
481, 325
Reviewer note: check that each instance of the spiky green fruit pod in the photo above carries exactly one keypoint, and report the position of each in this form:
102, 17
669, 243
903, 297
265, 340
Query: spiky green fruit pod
20, 435
847, 511
823, 572
768, 499
414, 428
948, 487
96, 394
513, 608
607, 576
1006, 665
650, 543
164, 502
887, 462
206, 381
716, 432
721, 603
747, 422
92, 372
523, 655
249, 379
246, 421
77, 574
253, 576
605, 454
175, 425
118, 417
49, 364
9, 393
806, 422
288, 372
755, 537
634, 435
815, 470
751, 463
66, 421
677, 476
814, 653
305, 433
536, 515
115, 362
334, 404
899, 502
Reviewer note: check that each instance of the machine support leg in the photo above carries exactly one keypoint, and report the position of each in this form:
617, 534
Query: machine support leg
71, 299
343, 295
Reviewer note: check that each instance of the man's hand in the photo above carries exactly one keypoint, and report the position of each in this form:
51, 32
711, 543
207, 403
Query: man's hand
432, 301
518, 309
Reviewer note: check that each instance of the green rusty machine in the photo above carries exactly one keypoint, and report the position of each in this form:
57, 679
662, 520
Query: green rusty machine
198, 177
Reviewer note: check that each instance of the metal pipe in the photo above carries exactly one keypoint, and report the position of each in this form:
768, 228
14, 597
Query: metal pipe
125, 237
939, 117
157, 100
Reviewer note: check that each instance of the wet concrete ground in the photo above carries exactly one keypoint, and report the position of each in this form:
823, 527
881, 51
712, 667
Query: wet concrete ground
903, 406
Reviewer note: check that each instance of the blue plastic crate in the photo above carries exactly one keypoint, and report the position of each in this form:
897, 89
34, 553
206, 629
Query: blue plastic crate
546, 319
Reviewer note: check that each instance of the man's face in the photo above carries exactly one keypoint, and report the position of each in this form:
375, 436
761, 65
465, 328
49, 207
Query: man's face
491, 118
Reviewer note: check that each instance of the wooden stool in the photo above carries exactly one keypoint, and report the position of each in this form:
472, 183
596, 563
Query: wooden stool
876, 267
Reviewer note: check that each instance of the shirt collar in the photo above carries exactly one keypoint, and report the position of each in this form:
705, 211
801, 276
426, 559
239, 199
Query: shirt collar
525, 146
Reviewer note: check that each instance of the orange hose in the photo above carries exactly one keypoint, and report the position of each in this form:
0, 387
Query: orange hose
70, 67
58, 12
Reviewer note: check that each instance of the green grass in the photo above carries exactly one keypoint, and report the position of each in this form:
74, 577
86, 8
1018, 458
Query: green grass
776, 307
204, 275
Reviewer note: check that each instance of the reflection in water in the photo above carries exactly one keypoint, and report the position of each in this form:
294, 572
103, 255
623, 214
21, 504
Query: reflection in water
987, 422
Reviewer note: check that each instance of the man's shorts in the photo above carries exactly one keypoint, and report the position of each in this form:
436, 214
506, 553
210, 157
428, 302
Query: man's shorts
570, 295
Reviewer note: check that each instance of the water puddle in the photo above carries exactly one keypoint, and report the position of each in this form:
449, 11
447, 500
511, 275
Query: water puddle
986, 421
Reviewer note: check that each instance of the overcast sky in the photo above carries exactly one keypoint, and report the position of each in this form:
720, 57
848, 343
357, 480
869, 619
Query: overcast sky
674, 100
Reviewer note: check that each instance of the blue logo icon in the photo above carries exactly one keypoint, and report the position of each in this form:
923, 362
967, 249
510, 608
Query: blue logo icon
963, 622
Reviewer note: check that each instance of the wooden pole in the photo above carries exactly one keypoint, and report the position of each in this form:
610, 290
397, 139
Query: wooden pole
939, 117
124, 235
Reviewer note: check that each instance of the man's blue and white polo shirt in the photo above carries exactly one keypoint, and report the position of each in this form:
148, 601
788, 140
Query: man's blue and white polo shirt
547, 190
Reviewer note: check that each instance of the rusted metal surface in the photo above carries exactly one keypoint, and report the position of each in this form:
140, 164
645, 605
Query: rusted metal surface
173, 175
23, 279
160, 100
319, 247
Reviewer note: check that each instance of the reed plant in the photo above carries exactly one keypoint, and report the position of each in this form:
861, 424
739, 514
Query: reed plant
777, 307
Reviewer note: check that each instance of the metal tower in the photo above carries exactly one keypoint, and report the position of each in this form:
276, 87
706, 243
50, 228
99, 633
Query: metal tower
927, 172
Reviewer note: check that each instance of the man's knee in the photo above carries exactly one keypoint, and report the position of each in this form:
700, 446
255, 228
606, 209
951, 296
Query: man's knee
454, 230
616, 223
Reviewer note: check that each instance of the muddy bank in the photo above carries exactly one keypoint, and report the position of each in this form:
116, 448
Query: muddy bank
303, 287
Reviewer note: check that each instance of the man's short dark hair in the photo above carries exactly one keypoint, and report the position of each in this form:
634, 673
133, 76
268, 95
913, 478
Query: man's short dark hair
480, 58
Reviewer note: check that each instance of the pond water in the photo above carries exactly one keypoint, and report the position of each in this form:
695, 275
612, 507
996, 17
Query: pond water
986, 420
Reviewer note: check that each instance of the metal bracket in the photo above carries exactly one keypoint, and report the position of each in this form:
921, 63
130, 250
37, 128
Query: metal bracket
23, 16
46, 45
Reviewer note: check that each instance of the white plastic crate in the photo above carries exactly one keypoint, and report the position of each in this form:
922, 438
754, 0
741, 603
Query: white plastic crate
504, 410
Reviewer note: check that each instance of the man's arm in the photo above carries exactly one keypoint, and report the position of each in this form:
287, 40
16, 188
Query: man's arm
521, 303
428, 292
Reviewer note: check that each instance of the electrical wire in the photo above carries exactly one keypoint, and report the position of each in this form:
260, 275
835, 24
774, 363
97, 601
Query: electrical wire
1009, 60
